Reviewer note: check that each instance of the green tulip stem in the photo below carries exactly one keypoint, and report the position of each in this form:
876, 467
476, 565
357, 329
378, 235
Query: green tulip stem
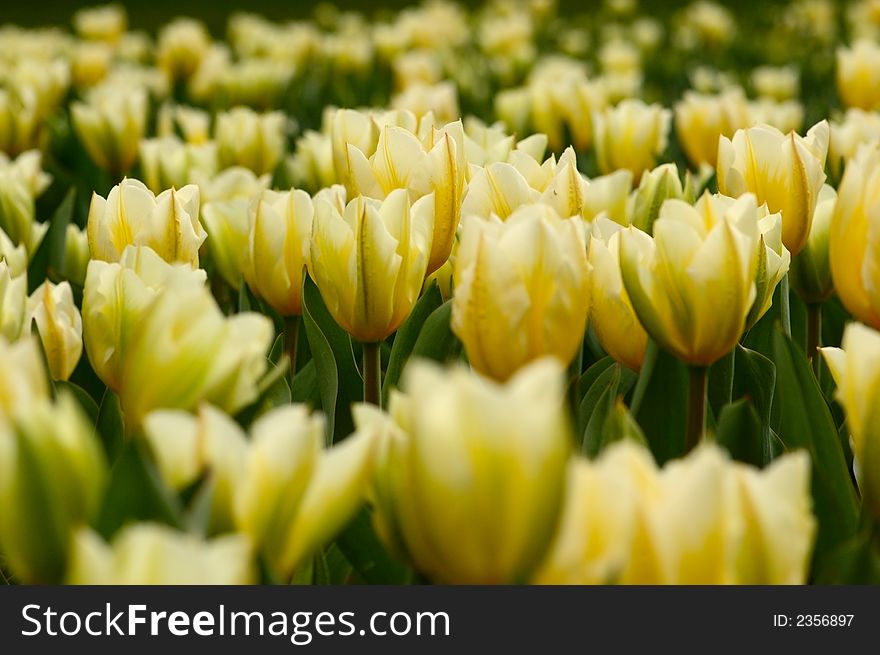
785, 306
814, 336
372, 374
291, 337
696, 418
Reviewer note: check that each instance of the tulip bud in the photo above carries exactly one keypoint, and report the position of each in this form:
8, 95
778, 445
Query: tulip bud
497, 189
311, 165
153, 554
187, 447
104, 23
439, 99
700, 119
655, 188
60, 326
76, 255
169, 163
90, 63
20, 124
349, 127
692, 285
277, 250
293, 495
28, 167
786, 116
183, 351
522, 289
369, 261
608, 194
462, 451
13, 292
857, 127
25, 380
52, 471
181, 46
783, 171
246, 138
700, 520
226, 223
854, 238
631, 135
132, 215
17, 218
611, 314
110, 125
773, 263
15, 256
858, 74
811, 269
856, 369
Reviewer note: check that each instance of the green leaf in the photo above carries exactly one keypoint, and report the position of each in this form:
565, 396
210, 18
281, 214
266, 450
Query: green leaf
738, 429
339, 382
110, 425
136, 492
362, 548
49, 256
597, 406
246, 300
436, 340
805, 422
592, 374
305, 386
405, 339
663, 411
756, 379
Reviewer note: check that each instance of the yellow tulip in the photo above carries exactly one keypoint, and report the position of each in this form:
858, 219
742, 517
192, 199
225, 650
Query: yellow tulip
293, 495
858, 74
247, 138
786, 116
655, 187
59, 323
181, 46
692, 285
90, 63
776, 82
440, 100
608, 194
522, 289
52, 470
17, 212
154, 554
402, 161
183, 351
462, 488
854, 238
784, 171
277, 252
115, 297
311, 165
15, 256
773, 263
76, 255
28, 166
132, 215
20, 123
611, 313
811, 269
631, 136
856, 369
369, 261
169, 163
13, 293
104, 23
110, 125
855, 128
25, 378
700, 520
498, 189
701, 118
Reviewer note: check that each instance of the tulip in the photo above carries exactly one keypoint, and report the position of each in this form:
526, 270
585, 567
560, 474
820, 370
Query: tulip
226, 223
110, 125
13, 292
611, 313
90, 63
857, 127
28, 166
20, 123
498, 189
783, 171
76, 255
854, 238
522, 289
402, 161
773, 263
293, 495
608, 194
462, 450
700, 119
631, 136
440, 100
858, 74
52, 470
370, 260
59, 323
234, 183
115, 298
349, 127
181, 46
24, 381
153, 554
132, 215
779, 82
786, 116
15, 256
655, 187
246, 138
700, 520
17, 211
311, 165
856, 369
183, 351
104, 23
187, 447
169, 163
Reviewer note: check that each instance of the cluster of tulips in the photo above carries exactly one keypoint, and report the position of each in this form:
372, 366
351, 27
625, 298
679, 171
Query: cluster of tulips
272, 311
